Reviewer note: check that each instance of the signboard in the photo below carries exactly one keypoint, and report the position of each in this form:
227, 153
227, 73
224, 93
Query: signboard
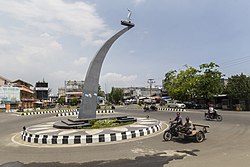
9, 95
40, 88
74, 86
2, 105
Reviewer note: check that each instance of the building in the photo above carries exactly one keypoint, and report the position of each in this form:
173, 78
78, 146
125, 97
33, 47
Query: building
137, 92
4, 81
42, 90
71, 90
26, 94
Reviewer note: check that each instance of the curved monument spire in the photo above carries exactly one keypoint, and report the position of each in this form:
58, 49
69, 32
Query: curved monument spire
91, 83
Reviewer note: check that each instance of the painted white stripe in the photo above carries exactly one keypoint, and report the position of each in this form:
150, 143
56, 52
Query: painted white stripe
59, 139
118, 136
95, 139
71, 139
107, 137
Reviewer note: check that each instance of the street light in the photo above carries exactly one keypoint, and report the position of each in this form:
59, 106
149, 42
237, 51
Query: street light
150, 81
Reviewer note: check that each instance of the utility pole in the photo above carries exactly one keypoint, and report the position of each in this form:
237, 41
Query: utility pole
150, 81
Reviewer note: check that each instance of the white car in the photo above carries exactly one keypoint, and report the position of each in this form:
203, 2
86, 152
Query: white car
175, 104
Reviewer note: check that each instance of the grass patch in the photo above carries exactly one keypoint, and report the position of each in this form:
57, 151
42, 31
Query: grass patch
106, 123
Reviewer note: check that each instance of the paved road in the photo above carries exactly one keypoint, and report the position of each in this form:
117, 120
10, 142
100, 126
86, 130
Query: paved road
227, 144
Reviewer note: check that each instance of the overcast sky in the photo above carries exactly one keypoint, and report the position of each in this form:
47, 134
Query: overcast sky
55, 40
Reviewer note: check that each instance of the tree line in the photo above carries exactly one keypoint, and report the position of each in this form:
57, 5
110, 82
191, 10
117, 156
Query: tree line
205, 83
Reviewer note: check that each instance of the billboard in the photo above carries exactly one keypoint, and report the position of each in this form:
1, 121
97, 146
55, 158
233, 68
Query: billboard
9, 95
74, 86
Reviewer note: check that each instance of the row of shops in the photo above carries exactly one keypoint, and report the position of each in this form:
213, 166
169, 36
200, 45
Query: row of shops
20, 95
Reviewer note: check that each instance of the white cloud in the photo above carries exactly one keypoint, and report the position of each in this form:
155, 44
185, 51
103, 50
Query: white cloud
4, 42
37, 40
109, 80
66, 75
79, 18
81, 61
114, 77
131, 51
137, 2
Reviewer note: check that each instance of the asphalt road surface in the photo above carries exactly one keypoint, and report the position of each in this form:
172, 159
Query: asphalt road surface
227, 144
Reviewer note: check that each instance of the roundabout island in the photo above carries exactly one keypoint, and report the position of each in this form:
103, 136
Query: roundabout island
46, 133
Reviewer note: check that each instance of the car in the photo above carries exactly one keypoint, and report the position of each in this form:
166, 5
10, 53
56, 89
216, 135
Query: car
175, 104
192, 105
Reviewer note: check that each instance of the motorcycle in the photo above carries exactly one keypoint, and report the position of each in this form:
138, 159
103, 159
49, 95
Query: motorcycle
177, 131
213, 116
171, 132
151, 108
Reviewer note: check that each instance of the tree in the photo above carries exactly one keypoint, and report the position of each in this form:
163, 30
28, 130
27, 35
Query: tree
192, 83
169, 82
238, 87
209, 81
73, 101
116, 95
100, 92
61, 100
186, 82
181, 85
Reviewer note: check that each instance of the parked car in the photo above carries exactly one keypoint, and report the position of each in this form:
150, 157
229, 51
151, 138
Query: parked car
192, 105
175, 104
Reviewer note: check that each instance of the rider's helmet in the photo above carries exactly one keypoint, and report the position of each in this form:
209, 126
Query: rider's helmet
187, 119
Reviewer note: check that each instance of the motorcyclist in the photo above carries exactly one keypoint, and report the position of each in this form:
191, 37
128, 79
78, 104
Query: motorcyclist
178, 121
153, 107
211, 111
146, 107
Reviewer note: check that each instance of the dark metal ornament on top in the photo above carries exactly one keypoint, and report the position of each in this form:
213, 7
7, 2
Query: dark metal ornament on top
91, 83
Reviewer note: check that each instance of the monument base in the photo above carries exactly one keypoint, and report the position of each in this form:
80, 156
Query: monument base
75, 123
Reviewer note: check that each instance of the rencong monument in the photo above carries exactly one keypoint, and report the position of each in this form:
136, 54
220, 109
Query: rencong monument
90, 90
87, 110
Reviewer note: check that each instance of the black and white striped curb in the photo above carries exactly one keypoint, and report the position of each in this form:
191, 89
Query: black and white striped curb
161, 109
48, 112
77, 112
171, 109
88, 138
84, 139
65, 112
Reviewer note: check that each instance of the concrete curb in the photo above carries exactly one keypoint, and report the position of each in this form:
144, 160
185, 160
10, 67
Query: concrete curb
48, 112
171, 109
86, 139
75, 113
65, 112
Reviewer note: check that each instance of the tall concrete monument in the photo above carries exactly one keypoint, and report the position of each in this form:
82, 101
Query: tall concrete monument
91, 83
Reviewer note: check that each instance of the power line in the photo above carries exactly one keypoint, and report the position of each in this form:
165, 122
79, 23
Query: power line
235, 62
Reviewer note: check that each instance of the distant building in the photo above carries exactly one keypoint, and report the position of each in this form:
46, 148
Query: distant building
61, 92
71, 90
136, 92
26, 94
41, 90
4, 81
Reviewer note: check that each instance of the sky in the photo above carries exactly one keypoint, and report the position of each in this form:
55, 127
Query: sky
55, 40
